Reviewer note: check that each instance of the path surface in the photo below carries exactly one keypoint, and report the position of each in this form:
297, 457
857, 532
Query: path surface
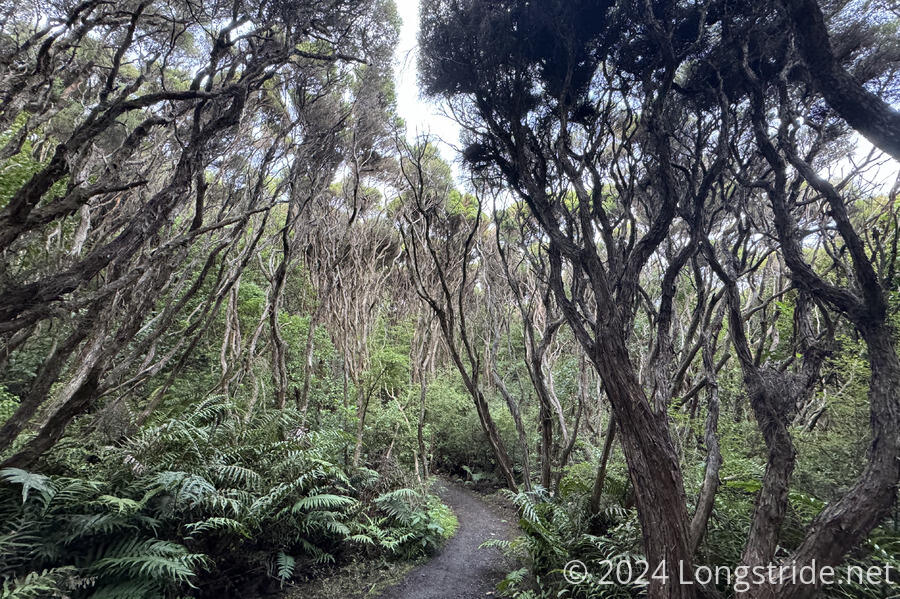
461, 570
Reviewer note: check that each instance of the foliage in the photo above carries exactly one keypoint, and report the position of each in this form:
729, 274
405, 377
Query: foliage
557, 531
201, 503
458, 440
242, 321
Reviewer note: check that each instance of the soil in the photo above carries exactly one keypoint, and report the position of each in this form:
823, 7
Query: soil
462, 570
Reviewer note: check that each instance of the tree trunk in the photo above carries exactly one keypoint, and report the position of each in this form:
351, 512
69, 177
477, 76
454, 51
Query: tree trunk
534, 361
546, 449
707, 498
520, 427
362, 406
492, 434
600, 479
567, 450
653, 468
845, 523
420, 426
481, 406
863, 110
46, 376
772, 501
308, 359
53, 429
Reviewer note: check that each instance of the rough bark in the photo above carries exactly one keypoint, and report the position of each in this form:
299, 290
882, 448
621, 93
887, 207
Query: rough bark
306, 374
863, 110
707, 497
442, 280
600, 478
520, 426
46, 376
845, 523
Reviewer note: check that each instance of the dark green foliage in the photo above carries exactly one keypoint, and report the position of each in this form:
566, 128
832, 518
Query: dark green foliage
203, 505
454, 431
412, 524
557, 531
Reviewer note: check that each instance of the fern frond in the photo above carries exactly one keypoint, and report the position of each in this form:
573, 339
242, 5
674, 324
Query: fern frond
121, 505
217, 524
40, 585
286, 565
30, 482
151, 559
324, 501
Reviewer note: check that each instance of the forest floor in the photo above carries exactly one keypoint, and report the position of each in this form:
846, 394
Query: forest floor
460, 570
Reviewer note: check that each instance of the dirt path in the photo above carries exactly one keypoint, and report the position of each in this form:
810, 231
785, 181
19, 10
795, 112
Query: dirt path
462, 570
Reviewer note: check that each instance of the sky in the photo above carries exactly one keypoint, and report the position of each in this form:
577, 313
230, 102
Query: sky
421, 116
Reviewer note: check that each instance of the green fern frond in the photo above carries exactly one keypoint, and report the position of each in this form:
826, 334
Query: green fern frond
121, 505
217, 524
324, 501
234, 475
286, 565
361, 538
40, 585
150, 559
318, 555
30, 482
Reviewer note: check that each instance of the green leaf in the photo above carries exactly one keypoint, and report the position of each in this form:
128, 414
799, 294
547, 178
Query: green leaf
38, 482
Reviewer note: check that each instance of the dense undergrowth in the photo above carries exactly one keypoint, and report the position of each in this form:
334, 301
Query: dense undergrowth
209, 505
557, 529
243, 319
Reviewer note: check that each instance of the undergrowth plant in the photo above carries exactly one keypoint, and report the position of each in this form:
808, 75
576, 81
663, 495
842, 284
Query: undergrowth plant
207, 505
558, 530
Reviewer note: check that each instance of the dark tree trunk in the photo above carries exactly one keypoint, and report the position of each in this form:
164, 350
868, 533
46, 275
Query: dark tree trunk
653, 468
863, 110
772, 501
504, 463
600, 479
534, 361
707, 498
846, 523
520, 427
46, 376
52, 430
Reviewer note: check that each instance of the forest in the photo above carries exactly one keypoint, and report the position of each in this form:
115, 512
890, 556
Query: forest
260, 338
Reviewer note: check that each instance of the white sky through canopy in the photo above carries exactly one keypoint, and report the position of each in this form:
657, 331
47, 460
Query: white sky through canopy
421, 116
425, 116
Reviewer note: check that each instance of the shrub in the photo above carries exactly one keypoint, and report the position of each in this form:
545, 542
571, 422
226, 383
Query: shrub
207, 505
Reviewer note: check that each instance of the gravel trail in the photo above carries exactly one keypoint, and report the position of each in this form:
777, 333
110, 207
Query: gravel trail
461, 570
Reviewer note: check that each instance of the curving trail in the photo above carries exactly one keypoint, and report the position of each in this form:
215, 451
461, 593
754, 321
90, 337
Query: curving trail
461, 570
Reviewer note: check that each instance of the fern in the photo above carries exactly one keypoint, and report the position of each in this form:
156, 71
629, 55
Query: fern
121, 505
30, 482
325, 501
556, 531
40, 585
208, 492
217, 524
286, 565
151, 559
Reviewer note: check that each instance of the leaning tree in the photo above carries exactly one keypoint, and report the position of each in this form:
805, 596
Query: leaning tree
640, 130
148, 144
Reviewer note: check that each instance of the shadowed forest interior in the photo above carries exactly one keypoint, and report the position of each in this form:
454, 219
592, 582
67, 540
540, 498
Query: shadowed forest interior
648, 302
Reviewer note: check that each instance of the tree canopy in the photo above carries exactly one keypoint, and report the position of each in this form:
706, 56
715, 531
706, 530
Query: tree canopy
246, 319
